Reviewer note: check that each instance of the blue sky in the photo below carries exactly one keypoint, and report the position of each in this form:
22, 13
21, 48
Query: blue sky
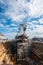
14, 12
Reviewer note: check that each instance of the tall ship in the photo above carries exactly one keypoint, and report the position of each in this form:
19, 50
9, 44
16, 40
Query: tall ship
21, 50
23, 44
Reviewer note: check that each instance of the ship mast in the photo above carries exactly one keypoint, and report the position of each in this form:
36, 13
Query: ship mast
22, 28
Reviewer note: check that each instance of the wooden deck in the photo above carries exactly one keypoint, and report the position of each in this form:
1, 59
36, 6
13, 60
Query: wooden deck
37, 51
36, 55
5, 55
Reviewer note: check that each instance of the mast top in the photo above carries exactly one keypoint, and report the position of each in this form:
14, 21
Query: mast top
22, 28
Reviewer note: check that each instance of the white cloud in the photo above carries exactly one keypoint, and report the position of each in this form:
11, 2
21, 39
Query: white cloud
17, 10
13, 24
36, 31
36, 8
2, 20
39, 29
10, 35
20, 9
1, 25
41, 21
35, 22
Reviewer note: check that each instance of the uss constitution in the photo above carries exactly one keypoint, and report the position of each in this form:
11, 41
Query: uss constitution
21, 51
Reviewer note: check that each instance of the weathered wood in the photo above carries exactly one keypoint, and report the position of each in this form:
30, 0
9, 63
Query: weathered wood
37, 49
5, 54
